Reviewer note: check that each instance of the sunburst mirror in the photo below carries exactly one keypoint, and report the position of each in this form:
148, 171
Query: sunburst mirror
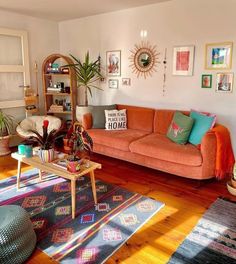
144, 59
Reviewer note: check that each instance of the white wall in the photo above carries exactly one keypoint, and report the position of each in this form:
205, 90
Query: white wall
43, 38
178, 22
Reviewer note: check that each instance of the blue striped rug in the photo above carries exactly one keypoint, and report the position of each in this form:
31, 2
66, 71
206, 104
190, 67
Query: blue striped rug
213, 240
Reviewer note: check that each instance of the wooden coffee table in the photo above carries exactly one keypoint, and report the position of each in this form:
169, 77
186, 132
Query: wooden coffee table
51, 168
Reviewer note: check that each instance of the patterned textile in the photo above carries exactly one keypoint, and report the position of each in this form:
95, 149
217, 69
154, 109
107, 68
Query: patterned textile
213, 240
96, 232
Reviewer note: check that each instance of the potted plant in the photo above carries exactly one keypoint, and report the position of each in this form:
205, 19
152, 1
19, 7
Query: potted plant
87, 74
46, 141
6, 128
81, 145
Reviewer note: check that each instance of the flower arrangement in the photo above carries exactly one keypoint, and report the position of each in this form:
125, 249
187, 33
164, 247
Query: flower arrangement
47, 140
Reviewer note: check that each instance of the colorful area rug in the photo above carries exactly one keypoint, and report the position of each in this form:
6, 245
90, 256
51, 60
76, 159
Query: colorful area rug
97, 231
213, 240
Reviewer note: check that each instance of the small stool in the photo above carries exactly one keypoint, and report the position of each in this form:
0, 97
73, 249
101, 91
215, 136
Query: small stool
17, 236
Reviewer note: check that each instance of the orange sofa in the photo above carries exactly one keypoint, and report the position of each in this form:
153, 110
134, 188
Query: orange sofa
145, 143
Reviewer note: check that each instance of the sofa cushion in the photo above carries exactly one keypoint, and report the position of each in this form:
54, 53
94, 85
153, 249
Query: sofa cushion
118, 139
139, 118
98, 114
162, 120
180, 128
202, 123
160, 147
116, 119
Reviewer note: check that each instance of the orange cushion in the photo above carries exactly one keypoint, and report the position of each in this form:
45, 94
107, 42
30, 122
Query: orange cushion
140, 118
162, 120
118, 139
160, 147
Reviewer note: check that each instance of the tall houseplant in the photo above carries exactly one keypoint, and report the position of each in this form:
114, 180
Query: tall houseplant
6, 128
87, 73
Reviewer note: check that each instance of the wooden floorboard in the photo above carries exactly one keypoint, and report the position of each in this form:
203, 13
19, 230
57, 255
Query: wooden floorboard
185, 202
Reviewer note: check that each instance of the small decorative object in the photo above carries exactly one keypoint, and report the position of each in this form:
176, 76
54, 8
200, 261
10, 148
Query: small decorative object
206, 80
144, 59
46, 141
218, 56
183, 60
81, 145
224, 82
164, 74
64, 70
126, 81
114, 84
113, 61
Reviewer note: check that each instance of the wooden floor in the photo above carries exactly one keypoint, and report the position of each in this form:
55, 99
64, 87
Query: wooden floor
185, 202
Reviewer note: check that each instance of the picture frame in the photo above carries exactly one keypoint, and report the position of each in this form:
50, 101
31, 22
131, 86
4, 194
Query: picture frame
224, 82
183, 59
113, 83
218, 56
206, 81
126, 81
113, 63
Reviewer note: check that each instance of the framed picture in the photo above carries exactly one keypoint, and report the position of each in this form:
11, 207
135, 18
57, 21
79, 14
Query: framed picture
183, 60
113, 62
206, 80
126, 81
224, 82
218, 56
113, 84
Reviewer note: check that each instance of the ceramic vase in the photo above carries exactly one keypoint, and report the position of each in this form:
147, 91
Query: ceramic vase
73, 166
46, 155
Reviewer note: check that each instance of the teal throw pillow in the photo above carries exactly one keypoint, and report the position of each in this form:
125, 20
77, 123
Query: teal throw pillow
180, 128
98, 114
202, 124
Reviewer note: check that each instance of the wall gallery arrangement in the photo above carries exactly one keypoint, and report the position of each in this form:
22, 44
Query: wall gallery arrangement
145, 57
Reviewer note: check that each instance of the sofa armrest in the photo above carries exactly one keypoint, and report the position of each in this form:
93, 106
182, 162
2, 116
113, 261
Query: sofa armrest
87, 121
208, 151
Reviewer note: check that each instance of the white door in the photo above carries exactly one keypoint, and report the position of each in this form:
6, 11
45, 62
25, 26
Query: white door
14, 71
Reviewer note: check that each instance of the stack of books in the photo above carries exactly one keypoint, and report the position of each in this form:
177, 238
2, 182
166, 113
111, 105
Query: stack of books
53, 90
56, 108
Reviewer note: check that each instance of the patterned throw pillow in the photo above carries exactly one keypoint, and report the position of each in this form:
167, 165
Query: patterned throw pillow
180, 128
116, 119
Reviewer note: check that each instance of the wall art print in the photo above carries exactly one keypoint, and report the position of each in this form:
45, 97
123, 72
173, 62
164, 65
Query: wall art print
224, 82
183, 58
113, 62
206, 80
218, 56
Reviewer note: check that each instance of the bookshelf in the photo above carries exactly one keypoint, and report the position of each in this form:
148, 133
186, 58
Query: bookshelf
59, 87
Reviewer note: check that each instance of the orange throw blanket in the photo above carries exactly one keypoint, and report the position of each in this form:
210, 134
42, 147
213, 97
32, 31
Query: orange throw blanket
224, 152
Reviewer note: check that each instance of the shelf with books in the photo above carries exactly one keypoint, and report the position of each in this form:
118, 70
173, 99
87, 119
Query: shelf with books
59, 84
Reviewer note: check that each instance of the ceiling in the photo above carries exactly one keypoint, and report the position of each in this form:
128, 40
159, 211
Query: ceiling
59, 10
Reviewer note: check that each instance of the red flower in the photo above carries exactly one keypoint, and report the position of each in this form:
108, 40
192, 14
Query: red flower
45, 123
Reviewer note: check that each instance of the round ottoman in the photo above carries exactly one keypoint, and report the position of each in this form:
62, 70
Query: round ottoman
17, 236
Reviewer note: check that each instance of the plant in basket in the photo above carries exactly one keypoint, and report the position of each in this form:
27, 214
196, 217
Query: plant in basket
81, 145
46, 141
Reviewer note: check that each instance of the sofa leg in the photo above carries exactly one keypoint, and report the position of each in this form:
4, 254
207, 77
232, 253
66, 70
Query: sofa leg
201, 183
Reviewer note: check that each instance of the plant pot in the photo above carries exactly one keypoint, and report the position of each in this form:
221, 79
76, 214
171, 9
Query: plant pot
4, 146
73, 166
46, 155
233, 182
81, 110
67, 149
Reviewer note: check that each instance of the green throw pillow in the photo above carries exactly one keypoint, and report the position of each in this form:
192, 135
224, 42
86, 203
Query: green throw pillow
180, 128
98, 114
